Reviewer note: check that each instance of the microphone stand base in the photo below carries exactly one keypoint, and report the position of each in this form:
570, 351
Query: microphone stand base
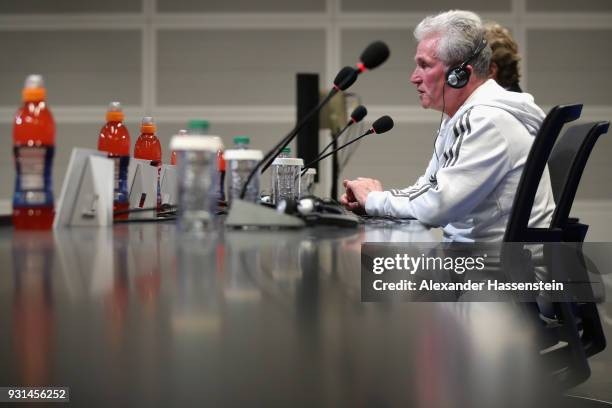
247, 214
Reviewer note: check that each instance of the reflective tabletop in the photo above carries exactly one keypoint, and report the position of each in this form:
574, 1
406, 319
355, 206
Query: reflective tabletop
139, 314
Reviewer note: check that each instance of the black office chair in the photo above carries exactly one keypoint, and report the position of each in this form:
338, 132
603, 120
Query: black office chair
517, 229
566, 165
568, 362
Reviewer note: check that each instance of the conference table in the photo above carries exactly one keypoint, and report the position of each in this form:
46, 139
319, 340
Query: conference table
138, 314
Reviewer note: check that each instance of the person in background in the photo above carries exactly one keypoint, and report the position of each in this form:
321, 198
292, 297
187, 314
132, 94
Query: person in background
504, 67
481, 146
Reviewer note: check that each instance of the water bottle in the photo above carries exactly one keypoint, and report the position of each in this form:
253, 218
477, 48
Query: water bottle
202, 127
286, 178
307, 183
33, 148
196, 179
114, 139
241, 162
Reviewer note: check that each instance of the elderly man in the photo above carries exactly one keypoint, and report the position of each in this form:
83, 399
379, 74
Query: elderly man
481, 145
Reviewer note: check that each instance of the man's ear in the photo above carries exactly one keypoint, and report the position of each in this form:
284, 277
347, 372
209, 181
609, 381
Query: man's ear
493, 70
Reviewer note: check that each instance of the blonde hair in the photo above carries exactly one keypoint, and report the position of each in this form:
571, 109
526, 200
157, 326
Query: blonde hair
505, 54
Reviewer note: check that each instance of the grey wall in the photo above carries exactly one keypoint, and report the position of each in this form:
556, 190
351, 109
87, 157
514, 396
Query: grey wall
234, 63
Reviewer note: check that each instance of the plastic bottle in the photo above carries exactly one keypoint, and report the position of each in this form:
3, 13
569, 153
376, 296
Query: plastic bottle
33, 147
196, 182
241, 162
307, 183
221, 181
202, 127
147, 147
115, 140
286, 178
181, 132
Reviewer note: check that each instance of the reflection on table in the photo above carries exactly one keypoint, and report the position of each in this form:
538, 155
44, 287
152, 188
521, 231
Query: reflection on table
137, 313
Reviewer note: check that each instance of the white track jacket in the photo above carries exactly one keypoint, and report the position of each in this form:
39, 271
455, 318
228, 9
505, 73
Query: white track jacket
469, 186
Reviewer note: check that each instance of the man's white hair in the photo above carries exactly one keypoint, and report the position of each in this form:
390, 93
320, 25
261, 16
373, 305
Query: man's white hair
460, 34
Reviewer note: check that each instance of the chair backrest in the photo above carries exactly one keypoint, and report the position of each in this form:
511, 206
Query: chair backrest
566, 165
517, 229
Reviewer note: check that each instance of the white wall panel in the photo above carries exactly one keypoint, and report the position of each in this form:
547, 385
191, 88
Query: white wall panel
390, 83
385, 6
69, 6
569, 5
80, 67
235, 67
241, 6
566, 66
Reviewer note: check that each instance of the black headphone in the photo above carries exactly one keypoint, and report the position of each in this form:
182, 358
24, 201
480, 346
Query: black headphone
457, 77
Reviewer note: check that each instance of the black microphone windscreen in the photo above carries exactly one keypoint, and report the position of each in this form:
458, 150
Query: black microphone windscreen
375, 54
382, 124
359, 113
345, 78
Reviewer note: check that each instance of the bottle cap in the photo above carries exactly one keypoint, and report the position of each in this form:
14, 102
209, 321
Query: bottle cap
288, 161
34, 89
114, 112
195, 142
34, 81
243, 154
148, 125
182, 132
241, 140
198, 124
286, 150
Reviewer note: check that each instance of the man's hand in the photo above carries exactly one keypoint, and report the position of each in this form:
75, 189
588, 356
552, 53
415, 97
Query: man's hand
357, 193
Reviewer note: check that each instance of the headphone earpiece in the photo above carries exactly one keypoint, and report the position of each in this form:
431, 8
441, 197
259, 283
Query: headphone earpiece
457, 77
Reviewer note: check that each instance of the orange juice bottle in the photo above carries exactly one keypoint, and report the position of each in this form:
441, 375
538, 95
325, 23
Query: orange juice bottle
148, 148
33, 147
115, 140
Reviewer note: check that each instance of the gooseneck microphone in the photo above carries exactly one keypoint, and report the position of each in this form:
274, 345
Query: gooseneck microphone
357, 116
381, 125
373, 56
344, 79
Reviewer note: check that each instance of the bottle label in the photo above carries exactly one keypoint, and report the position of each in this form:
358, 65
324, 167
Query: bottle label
33, 178
120, 184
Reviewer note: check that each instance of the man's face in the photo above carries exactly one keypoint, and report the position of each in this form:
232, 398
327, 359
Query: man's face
428, 76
